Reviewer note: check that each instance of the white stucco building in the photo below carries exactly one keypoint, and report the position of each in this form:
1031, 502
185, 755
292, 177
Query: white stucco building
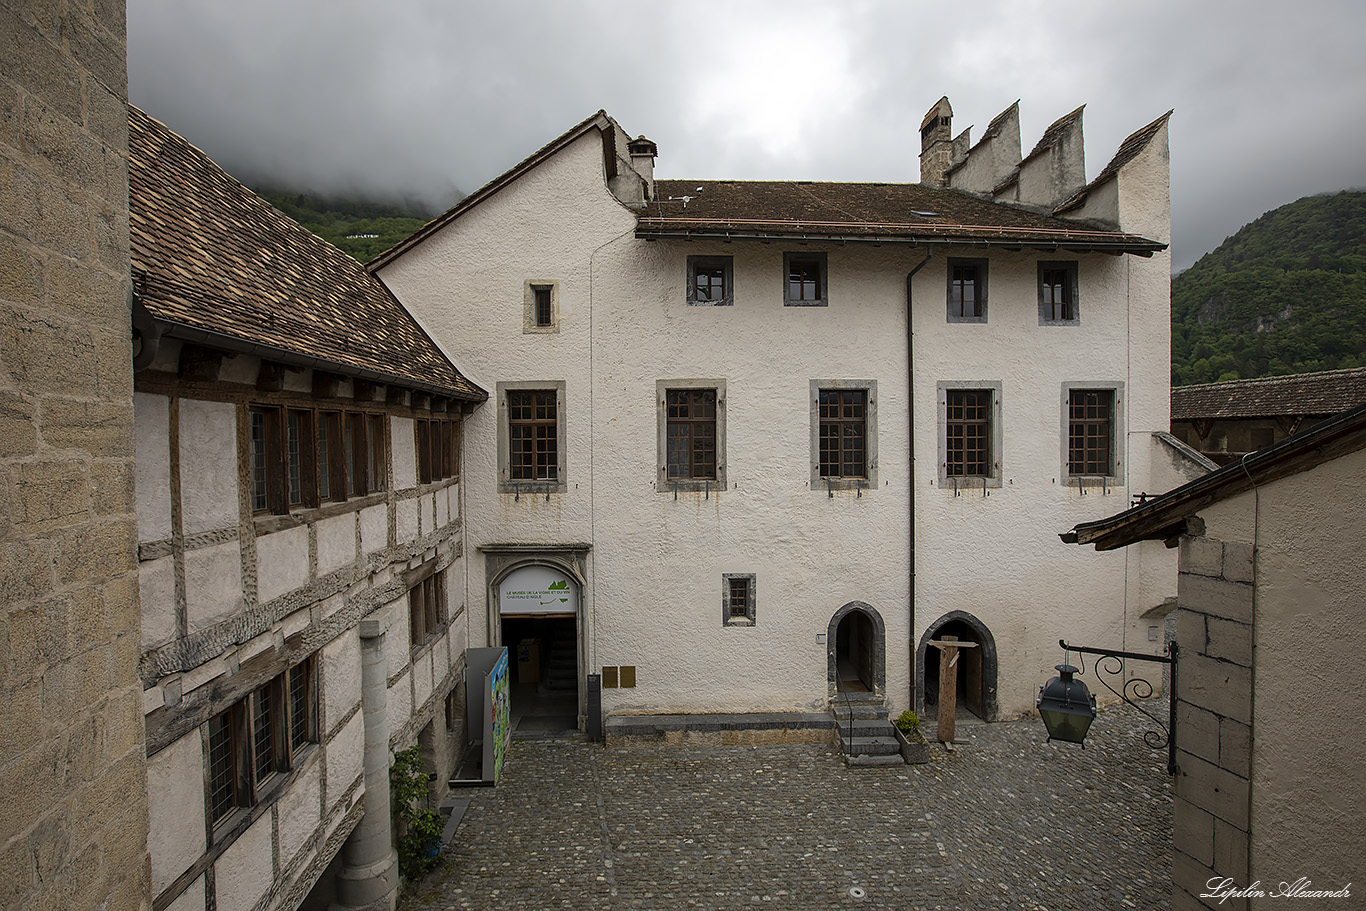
774, 436
301, 561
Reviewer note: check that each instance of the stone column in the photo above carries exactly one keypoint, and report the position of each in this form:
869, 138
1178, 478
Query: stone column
369, 876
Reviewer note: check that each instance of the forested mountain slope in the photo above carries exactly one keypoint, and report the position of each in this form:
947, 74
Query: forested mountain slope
1286, 294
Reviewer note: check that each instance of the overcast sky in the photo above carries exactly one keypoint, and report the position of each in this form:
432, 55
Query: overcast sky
421, 97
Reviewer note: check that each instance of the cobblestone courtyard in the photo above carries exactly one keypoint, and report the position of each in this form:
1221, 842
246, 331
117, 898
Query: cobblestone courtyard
1004, 822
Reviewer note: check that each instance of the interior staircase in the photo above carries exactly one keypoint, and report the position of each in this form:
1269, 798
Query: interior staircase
865, 733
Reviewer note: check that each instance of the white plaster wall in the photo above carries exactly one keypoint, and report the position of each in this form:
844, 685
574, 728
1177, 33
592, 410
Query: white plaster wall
281, 562
345, 756
192, 899
405, 520
404, 448
400, 703
422, 678
336, 543
156, 595
1308, 780
175, 809
213, 584
341, 678
238, 879
151, 424
654, 593
208, 465
299, 812
374, 528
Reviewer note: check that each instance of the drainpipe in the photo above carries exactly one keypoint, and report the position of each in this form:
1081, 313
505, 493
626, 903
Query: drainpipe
910, 461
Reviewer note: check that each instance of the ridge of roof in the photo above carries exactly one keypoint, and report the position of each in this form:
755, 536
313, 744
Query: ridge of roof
600, 119
1128, 150
209, 254
1165, 515
1054, 133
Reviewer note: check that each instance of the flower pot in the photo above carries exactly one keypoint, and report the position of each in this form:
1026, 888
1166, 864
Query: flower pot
914, 748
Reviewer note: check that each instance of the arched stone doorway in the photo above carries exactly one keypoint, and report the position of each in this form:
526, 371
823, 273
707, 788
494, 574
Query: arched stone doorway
976, 669
536, 603
856, 651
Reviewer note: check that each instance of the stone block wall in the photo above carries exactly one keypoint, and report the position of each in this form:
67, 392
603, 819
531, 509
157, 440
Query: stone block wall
1214, 720
73, 819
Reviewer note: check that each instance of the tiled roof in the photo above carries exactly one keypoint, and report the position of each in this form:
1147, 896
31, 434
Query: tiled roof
1128, 151
211, 255
863, 211
1304, 394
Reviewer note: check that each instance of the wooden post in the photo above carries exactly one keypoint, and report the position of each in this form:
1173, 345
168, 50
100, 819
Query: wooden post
948, 686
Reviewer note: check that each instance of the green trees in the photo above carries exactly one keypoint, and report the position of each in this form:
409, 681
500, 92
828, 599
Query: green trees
361, 229
1286, 294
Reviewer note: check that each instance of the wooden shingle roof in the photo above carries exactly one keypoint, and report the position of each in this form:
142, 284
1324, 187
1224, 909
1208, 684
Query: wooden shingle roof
1303, 394
877, 212
210, 256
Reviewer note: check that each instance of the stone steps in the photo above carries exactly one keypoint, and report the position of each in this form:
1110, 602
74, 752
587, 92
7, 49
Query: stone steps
866, 736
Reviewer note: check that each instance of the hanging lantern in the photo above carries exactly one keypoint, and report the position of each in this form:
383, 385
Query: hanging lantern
1066, 706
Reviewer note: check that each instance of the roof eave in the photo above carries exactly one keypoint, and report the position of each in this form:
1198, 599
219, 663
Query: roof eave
1136, 246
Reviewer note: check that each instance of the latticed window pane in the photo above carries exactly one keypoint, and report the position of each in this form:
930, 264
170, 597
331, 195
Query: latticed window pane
543, 309
298, 707
258, 460
691, 433
324, 458
1089, 431
739, 598
968, 433
262, 750
533, 436
963, 292
1057, 294
294, 453
843, 431
222, 773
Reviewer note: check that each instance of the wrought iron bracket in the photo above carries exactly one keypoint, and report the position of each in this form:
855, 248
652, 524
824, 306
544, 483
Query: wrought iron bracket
1110, 663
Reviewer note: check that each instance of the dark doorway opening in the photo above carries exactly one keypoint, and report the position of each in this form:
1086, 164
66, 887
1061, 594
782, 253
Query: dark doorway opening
543, 658
971, 685
855, 654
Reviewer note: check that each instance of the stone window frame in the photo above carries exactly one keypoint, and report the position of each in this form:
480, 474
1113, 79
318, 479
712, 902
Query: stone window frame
530, 325
727, 264
505, 482
1117, 429
983, 271
1072, 268
821, 261
290, 742
995, 431
749, 618
664, 483
829, 485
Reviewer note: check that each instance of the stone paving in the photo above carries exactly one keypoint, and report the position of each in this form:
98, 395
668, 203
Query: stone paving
1005, 821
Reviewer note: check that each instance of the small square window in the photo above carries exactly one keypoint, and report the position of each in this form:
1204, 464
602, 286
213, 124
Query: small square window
967, 295
737, 599
804, 280
709, 281
1058, 305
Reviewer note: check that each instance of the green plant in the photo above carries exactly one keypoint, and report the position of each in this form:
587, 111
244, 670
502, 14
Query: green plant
908, 722
420, 841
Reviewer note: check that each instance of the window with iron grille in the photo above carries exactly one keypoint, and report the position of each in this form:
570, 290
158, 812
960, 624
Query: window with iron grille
1058, 293
805, 280
709, 281
425, 609
967, 291
533, 431
1090, 432
843, 429
968, 433
544, 316
737, 599
691, 419
260, 735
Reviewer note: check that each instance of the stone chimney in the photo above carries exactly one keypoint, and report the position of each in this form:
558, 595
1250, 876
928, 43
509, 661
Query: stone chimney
643, 152
936, 144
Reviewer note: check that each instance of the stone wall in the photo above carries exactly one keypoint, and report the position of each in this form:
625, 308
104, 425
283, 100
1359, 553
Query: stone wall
1211, 820
73, 820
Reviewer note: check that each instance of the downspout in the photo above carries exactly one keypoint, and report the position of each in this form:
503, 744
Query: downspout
910, 463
